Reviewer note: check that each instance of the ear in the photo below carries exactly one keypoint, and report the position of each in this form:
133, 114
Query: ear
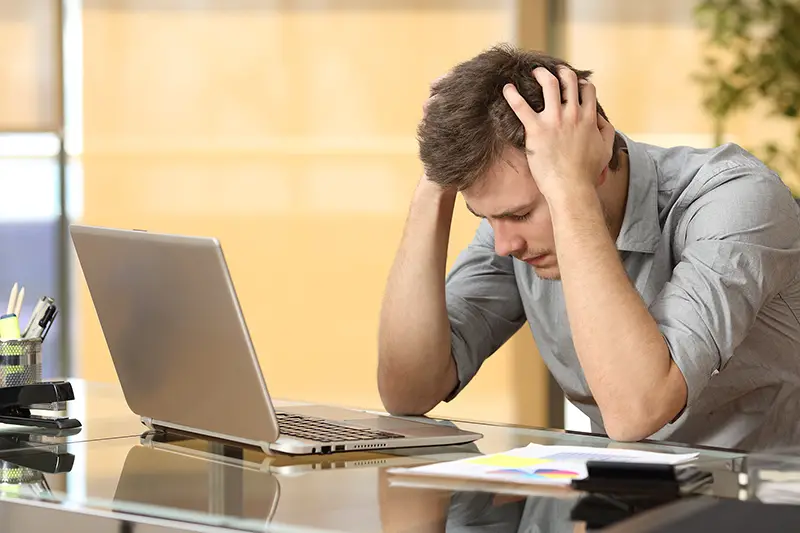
602, 177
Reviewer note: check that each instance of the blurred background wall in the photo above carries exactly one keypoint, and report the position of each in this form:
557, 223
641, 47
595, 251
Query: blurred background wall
286, 129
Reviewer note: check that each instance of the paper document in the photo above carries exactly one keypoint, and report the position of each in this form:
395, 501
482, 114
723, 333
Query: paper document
776, 486
539, 464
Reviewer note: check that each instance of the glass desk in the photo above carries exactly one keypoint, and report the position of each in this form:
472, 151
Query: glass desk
101, 409
197, 482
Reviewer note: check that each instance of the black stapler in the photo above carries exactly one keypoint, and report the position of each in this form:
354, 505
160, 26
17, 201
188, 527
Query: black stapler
611, 477
27, 456
17, 402
43, 451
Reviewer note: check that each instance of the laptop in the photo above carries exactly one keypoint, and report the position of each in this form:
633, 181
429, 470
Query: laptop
185, 360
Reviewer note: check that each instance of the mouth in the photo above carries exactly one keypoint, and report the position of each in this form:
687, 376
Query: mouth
538, 260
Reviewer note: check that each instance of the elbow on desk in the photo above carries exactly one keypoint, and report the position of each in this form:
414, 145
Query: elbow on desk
639, 415
626, 432
397, 399
402, 405
411, 390
634, 424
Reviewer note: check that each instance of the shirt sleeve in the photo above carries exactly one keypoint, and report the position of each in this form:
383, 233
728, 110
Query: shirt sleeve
738, 245
483, 305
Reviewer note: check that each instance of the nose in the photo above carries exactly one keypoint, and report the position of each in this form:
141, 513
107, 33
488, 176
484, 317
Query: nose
506, 240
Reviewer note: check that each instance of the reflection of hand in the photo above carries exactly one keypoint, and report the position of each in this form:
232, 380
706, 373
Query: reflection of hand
502, 499
569, 145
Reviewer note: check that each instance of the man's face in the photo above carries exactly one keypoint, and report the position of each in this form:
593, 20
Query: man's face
518, 213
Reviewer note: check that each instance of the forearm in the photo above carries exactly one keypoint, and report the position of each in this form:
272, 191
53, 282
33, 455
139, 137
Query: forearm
415, 368
621, 350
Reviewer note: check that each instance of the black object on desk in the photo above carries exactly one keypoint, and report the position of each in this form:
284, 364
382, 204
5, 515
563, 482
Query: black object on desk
641, 479
601, 510
16, 404
704, 514
39, 451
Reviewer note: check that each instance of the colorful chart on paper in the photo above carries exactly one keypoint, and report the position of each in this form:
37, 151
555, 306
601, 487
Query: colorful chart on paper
540, 464
552, 474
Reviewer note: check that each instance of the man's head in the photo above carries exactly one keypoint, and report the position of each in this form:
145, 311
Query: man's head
471, 140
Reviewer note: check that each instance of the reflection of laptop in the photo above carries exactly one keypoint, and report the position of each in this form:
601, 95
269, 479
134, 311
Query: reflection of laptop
186, 486
208, 481
185, 360
290, 465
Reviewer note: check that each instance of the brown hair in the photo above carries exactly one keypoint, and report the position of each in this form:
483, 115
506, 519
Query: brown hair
468, 123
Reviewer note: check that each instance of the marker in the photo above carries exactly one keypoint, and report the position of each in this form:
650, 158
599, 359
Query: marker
9, 327
9, 322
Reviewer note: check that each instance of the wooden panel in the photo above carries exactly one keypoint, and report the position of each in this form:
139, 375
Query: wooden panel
287, 131
29, 91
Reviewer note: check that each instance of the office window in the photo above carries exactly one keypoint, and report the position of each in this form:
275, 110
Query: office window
36, 172
29, 213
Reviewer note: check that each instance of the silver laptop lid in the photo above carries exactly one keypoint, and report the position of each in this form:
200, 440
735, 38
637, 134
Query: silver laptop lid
173, 325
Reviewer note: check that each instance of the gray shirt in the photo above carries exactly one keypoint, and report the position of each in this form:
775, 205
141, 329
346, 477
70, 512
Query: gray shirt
711, 240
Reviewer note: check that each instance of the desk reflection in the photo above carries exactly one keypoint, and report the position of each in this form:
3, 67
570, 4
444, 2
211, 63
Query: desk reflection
429, 510
179, 477
407, 508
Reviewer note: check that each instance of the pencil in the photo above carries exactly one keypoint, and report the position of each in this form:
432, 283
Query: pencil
12, 300
20, 296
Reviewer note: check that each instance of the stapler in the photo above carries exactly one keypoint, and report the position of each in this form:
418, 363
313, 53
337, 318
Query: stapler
25, 399
26, 456
16, 404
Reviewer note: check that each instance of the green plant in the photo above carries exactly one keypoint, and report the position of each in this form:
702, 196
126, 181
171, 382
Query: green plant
753, 56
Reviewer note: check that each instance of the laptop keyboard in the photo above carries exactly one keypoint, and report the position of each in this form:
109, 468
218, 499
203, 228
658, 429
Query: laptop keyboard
321, 430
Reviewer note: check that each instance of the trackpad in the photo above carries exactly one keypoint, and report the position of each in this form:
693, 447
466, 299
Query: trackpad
387, 423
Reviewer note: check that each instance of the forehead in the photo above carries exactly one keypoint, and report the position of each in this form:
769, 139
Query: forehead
508, 181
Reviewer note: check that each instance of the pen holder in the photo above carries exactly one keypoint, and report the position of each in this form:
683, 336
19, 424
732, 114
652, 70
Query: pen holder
12, 476
20, 362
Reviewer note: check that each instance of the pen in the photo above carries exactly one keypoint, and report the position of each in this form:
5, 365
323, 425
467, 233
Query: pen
36, 315
35, 326
49, 318
43, 314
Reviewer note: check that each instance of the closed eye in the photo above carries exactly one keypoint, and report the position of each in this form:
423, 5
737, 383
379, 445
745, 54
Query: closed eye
520, 218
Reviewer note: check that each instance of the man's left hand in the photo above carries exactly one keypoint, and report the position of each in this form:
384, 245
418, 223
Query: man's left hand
568, 145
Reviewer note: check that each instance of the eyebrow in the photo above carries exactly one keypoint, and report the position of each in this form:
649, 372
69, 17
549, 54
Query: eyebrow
513, 211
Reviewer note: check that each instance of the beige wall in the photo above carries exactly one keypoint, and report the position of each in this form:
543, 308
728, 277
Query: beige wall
286, 129
28, 78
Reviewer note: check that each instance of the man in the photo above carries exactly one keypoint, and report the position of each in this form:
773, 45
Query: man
661, 285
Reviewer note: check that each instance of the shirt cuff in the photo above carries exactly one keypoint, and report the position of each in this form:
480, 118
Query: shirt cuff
692, 359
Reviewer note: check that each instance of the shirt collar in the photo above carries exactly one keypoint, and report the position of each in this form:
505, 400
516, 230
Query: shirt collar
640, 231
